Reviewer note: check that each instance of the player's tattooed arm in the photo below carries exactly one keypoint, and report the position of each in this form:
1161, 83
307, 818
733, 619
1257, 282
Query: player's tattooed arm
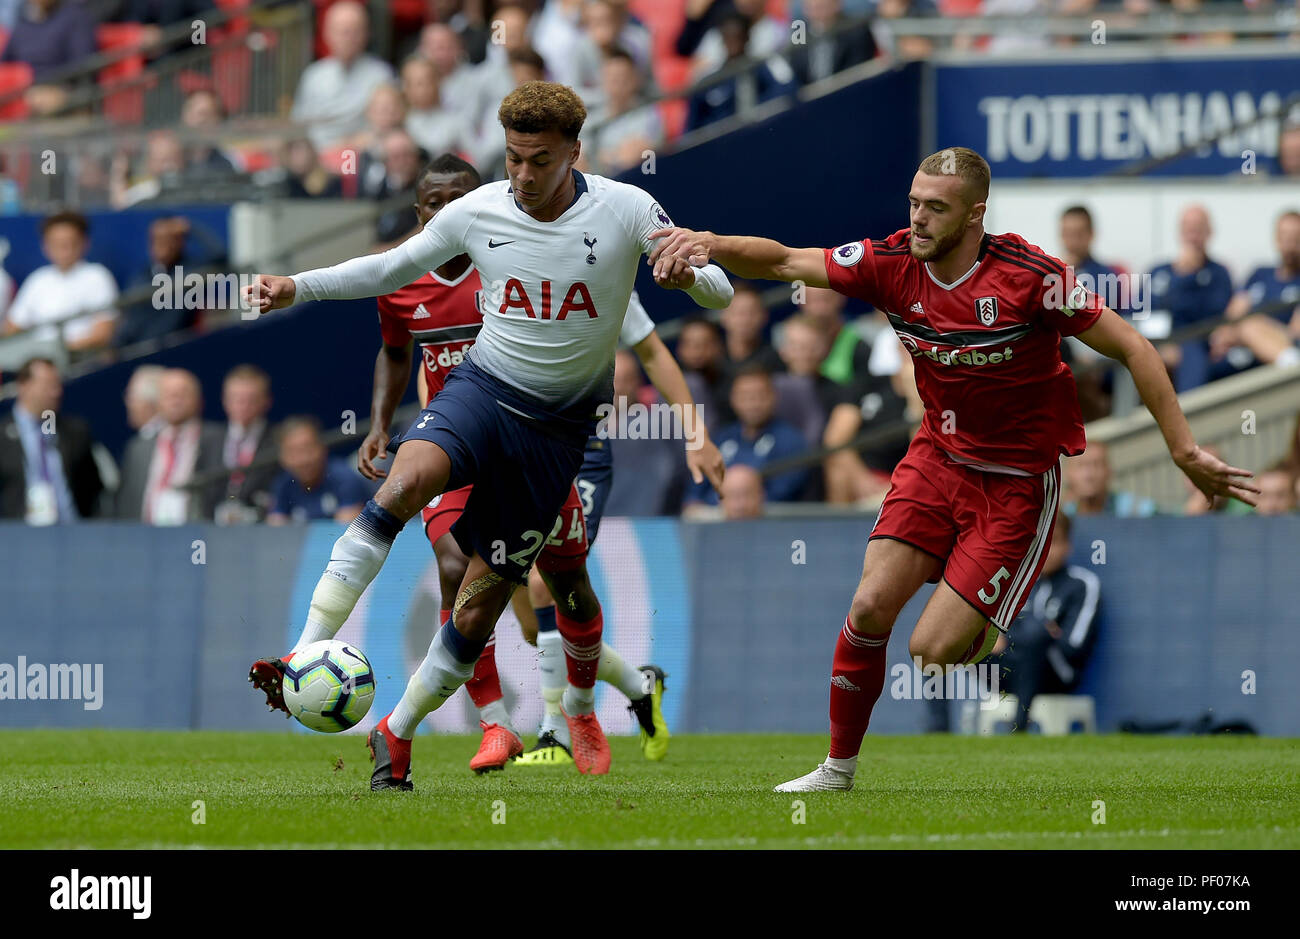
745, 256
702, 456
1112, 336
392, 373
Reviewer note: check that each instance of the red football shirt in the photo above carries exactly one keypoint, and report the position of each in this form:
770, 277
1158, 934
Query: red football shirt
443, 317
986, 347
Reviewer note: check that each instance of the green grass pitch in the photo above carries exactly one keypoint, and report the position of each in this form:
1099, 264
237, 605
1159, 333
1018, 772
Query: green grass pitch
127, 789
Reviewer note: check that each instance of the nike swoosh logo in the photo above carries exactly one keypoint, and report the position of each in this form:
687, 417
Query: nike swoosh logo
498, 244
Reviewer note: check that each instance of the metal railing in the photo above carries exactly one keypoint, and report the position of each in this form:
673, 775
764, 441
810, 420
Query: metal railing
1249, 417
252, 57
1099, 27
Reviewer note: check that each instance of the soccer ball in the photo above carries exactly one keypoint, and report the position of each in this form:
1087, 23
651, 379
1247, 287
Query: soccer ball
329, 686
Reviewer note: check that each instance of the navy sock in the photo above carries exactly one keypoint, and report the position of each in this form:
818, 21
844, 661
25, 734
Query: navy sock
545, 618
378, 522
463, 649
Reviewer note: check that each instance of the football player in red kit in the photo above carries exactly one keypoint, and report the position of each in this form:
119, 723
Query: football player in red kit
972, 505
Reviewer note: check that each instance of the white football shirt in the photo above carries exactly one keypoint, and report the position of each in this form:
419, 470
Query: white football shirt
556, 293
637, 325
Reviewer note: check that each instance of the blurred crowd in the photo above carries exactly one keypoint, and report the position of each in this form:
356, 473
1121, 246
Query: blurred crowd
1205, 325
774, 383
358, 123
772, 391
818, 383
843, 388
176, 467
76, 304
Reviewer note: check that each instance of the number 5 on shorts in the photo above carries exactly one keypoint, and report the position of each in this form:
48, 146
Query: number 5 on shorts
996, 583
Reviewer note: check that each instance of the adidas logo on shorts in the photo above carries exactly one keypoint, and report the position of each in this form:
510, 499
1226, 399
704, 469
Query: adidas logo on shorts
839, 681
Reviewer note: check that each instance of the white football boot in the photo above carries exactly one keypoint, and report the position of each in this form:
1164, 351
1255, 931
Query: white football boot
822, 779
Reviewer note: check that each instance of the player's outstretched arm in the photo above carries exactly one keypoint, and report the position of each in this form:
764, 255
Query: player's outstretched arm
392, 373
1113, 337
371, 275
745, 256
702, 456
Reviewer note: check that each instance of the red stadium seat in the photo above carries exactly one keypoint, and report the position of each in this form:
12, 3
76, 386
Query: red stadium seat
332, 158
256, 159
125, 106
409, 16
672, 114
319, 49
14, 76
664, 19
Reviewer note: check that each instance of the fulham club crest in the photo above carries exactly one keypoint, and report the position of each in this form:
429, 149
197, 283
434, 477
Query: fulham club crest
986, 310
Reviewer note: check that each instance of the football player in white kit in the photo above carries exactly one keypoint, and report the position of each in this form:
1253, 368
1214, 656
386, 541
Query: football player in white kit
557, 251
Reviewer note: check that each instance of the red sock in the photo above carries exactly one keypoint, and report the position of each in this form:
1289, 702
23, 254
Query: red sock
581, 647
485, 686
857, 678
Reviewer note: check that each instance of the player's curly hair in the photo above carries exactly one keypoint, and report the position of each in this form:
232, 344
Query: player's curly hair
536, 107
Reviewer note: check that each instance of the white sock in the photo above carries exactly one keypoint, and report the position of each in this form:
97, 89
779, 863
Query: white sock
579, 700
848, 766
312, 632
554, 679
436, 680
612, 669
356, 558
496, 713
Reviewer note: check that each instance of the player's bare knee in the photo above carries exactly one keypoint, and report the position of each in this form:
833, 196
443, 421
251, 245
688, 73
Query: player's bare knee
481, 601
476, 613
932, 650
404, 493
451, 572
871, 613
573, 594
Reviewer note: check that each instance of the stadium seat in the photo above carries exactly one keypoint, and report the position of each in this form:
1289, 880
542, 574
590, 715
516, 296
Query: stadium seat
1055, 715
961, 7
998, 718
125, 106
664, 19
1059, 714
14, 77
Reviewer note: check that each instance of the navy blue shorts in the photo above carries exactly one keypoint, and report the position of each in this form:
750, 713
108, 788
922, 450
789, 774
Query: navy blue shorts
594, 481
520, 459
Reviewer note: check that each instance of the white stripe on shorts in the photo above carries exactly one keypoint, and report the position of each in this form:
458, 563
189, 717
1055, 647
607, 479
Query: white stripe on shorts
1024, 574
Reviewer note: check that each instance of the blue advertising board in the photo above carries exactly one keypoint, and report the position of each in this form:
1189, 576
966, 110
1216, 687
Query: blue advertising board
155, 627
1080, 117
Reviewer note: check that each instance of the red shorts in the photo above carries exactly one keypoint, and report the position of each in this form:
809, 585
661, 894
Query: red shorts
565, 548
990, 529
440, 514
